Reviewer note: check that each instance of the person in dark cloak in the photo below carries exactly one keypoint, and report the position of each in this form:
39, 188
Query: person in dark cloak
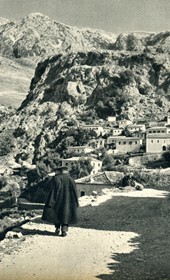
61, 206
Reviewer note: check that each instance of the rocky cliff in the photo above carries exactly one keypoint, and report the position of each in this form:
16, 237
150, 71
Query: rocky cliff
26, 41
38, 35
129, 78
86, 86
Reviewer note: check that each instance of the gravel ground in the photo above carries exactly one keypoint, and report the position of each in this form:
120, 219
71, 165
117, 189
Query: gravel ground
124, 235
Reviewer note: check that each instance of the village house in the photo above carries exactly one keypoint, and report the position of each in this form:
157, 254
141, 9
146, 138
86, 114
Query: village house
124, 144
97, 143
124, 123
136, 128
80, 149
111, 119
95, 163
115, 131
97, 128
157, 139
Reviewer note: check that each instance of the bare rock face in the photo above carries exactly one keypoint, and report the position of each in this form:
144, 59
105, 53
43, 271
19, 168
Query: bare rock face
139, 41
38, 35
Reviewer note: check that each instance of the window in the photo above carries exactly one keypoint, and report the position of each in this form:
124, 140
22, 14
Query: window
151, 141
119, 143
82, 193
66, 163
124, 142
157, 141
99, 164
136, 142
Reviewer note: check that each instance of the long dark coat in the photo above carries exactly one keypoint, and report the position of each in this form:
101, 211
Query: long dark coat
62, 202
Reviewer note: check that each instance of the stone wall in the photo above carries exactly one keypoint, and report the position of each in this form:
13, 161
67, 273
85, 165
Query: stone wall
88, 188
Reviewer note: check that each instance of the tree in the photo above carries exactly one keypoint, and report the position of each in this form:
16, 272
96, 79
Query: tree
6, 142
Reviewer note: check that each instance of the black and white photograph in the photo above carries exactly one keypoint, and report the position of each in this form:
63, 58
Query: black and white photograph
85, 139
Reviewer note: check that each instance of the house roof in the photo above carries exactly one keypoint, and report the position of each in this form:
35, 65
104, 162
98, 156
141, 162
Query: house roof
123, 138
157, 127
78, 158
158, 136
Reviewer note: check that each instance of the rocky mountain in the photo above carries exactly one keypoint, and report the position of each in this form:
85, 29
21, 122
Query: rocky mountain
38, 35
3, 21
139, 41
84, 87
129, 78
26, 41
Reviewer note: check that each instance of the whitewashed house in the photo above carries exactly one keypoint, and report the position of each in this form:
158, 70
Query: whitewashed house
111, 119
116, 131
125, 144
80, 149
95, 163
97, 143
97, 128
157, 139
124, 123
136, 128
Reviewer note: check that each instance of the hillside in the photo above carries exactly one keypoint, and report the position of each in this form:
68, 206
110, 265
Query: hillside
15, 77
38, 35
25, 41
82, 87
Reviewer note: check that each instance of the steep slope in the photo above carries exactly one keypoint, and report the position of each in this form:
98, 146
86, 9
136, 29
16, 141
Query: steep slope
3, 21
83, 87
37, 35
139, 41
33, 37
15, 77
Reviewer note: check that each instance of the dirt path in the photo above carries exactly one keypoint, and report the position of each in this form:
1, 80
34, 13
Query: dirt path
106, 244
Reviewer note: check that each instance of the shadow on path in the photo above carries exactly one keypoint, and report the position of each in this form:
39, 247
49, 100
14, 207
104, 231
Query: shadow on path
37, 231
147, 217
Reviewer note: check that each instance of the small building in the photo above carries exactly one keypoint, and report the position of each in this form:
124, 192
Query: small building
125, 144
95, 163
97, 143
157, 142
80, 149
106, 130
97, 128
124, 123
157, 139
111, 119
116, 131
158, 130
136, 128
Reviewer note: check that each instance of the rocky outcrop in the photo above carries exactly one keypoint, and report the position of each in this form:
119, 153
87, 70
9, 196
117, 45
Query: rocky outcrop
139, 41
38, 35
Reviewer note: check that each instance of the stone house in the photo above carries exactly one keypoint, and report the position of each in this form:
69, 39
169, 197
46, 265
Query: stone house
97, 143
157, 139
125, 144
80, 149
95, 163
97, 128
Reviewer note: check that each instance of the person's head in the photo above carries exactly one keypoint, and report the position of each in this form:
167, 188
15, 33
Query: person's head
61, 169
